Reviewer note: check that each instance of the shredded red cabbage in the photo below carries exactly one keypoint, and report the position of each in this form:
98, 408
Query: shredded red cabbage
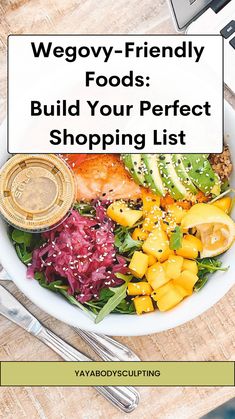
81, 251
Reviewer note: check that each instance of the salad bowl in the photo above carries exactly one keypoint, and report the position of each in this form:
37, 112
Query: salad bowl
121, 324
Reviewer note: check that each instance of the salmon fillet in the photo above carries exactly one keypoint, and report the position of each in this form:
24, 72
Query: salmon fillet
102, 176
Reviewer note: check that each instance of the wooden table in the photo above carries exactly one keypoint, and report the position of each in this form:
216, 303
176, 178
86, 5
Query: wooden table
209, 337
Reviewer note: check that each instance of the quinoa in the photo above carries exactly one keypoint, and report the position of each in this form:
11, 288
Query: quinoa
222, 163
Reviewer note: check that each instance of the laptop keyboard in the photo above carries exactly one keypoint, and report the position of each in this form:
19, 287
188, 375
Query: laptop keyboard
228, 30
232, 42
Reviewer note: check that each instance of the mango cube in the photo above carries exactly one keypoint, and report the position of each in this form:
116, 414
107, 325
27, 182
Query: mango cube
186, 280
169, 300
139, 234
120, 212
157, 244
173, 266
150, 200
224, 204
152, 218
138, 264
152, 260
157, 294
175, 212
188, 250
184, 293
143, 304
156, 275
139, 288
195, 240
190, 265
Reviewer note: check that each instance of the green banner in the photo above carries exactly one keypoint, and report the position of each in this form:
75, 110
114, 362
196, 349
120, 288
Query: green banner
117, 373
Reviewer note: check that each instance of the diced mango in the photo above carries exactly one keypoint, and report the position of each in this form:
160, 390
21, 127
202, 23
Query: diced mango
152, 218
168, 224
175, 212
143, 304
139, 288
157, 294
173, 266
224, 204
170, 299
157, 244
150, 200
188, 250
195, 240
120, 212
156, 276
138, 264
139, 234
152, 260
186, 280
184, 293
190, 265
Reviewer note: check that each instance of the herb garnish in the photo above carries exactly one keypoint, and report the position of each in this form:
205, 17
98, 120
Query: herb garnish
119, 294
124, 242
176, 239
206, 267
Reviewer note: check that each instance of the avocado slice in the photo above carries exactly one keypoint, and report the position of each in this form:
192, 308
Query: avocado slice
200, 171
152, 175
182, 173
216, 190
170, 178
135, 166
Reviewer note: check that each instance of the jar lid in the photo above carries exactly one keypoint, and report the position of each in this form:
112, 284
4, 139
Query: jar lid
36, 191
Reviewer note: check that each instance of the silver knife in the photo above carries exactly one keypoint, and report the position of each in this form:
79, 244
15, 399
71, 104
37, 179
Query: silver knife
106, 347
125, 398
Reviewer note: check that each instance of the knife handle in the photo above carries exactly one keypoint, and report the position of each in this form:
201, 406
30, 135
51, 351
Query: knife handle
125, 398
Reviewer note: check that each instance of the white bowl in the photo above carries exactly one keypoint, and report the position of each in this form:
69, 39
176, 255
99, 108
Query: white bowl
118, 324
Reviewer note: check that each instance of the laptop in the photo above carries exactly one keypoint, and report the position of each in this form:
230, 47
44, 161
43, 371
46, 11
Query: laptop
209, 17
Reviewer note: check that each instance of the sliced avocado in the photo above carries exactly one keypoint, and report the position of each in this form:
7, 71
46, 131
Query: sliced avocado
135, 166
152, 175
200, 171
182, 173
170, 178
216, 190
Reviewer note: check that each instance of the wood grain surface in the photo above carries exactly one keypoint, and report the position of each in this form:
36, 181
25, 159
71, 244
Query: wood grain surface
209, 337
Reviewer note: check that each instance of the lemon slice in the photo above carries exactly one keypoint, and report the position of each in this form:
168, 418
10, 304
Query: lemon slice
215, 228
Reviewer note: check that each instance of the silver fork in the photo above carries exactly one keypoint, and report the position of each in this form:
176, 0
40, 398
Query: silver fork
107, 348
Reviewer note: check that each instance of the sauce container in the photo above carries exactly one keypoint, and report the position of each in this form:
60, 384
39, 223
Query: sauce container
37, 191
